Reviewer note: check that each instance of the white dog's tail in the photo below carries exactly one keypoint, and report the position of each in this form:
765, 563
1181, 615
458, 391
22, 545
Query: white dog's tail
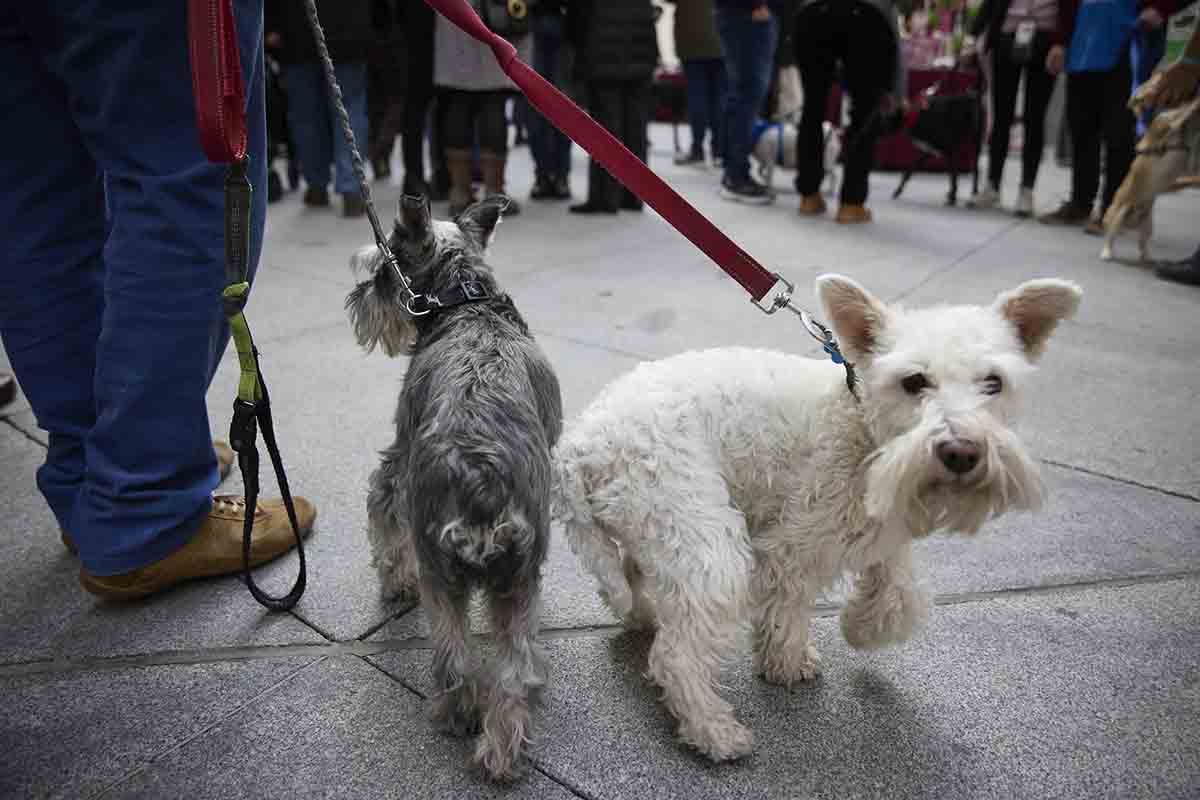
596, 548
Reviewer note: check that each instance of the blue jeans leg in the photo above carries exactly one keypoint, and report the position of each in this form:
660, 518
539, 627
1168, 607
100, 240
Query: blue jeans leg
749, 49
114, 324
309, 121
551, 149
706, 99
352, 76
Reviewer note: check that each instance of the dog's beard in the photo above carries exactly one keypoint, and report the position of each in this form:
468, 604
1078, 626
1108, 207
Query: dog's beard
904, 481
379, 317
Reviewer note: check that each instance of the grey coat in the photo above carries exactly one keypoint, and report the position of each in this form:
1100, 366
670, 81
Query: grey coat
460, 62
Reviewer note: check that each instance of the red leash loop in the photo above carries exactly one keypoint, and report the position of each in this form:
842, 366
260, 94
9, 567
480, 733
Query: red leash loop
217, 80
614, 156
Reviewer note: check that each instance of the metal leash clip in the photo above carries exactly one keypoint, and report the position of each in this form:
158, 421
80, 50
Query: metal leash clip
780, 296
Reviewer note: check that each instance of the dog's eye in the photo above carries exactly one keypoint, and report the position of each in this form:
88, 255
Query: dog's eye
992, 384
913, 384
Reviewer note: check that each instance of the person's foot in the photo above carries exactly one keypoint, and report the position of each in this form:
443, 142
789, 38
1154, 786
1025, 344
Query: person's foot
988, 197
353, 206
215, 549
746, 190
8, 388
225, 458
812, 205
274, 186
591, 208
631, 202
1066, 214
543, 188
1024, 207
850, 214
694, 158
1186, 271
1095, 226
315, 197
562, 189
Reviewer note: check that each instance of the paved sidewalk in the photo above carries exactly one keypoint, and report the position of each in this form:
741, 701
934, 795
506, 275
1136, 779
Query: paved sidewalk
1061, 659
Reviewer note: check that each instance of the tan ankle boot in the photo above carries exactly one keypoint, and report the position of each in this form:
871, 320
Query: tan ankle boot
493, 166
458, 164
215, 549
812, 204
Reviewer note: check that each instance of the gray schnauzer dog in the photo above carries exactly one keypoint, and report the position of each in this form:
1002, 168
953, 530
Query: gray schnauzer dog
461, 498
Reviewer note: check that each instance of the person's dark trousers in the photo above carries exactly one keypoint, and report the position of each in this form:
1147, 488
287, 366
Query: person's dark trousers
114, 261
1096, 112
623, 109
749, 50
476, 118
707, 88
1039, 85
550, 147
316, 129
858, 36
420, 94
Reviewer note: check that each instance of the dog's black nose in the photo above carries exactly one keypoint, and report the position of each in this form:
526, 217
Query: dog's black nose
959, 455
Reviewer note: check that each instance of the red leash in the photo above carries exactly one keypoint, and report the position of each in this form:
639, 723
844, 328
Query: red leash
616, 158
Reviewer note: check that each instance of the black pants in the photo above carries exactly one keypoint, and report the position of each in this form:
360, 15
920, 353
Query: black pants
858, 36
1039, 85
622, 108
469, 113
419, 94
1096, 111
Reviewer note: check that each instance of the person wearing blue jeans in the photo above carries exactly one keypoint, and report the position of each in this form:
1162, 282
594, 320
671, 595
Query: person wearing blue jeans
550, 147
748, 31
316, 129
110, 284
699, 50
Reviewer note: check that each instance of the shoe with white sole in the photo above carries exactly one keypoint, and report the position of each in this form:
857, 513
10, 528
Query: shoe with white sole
1025, 203
985, 198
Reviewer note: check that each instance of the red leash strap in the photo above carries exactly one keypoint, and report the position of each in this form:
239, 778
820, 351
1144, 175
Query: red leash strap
217, 80
614, 156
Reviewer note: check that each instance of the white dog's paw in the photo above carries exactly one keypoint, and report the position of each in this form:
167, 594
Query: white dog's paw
721, 738
791, 669
1106, 254
889, 616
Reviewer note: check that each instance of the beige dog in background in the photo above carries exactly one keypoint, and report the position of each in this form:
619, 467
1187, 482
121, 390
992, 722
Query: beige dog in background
1169, 150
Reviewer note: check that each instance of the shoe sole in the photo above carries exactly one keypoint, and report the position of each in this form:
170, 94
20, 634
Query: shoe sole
745, 200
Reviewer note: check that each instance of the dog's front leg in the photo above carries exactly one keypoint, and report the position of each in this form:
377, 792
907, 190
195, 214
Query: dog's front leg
1145, 231
389, 532
783, 606
455, 698
519, 676
887, 605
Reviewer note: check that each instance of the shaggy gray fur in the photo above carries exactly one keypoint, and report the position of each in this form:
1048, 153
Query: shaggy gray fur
461, 498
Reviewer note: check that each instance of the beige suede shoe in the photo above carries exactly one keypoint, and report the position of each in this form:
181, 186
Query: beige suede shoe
225, 459
812, 205
216, 549
853, 215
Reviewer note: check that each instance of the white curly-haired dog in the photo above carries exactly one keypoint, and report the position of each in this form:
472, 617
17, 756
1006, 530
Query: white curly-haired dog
719, 488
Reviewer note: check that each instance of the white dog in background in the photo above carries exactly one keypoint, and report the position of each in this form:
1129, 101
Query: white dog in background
775, 146
720, 489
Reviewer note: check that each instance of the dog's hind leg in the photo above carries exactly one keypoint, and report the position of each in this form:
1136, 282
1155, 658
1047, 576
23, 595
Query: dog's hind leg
641, 612
389, 533
887, 605
1112, 229
783, 600
520, 674
1145, 231
700, 593
456, 690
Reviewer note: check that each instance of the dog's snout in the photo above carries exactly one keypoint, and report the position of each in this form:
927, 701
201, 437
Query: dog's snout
959, 455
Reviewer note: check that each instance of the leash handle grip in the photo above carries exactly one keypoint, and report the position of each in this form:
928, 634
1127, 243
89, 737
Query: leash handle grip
217, 83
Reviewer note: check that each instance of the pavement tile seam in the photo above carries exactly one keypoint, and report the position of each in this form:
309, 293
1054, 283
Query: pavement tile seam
108, 791
409, 607
27, 434
1119, 479
958, 261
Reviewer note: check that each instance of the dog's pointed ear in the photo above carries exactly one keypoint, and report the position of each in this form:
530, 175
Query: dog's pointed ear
415, 217
857, 317
479, 221
1035, 308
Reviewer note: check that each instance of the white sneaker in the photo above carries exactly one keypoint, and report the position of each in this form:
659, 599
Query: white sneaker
988, 198
1025, 203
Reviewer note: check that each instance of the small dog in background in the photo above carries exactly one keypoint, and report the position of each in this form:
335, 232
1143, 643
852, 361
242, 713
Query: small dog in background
1169, 150
461, 498
775, 146
943, 125
716, 490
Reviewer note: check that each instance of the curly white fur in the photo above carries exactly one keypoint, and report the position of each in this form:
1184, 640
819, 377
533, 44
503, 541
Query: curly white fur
715, 490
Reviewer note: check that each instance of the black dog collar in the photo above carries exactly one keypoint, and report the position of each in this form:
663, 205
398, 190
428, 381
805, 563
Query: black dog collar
463, 293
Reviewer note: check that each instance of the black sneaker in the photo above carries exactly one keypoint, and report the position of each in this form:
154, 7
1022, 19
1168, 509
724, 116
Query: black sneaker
562, 189
692, 159
543, 189
316, 198
1186, 271
746, 190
